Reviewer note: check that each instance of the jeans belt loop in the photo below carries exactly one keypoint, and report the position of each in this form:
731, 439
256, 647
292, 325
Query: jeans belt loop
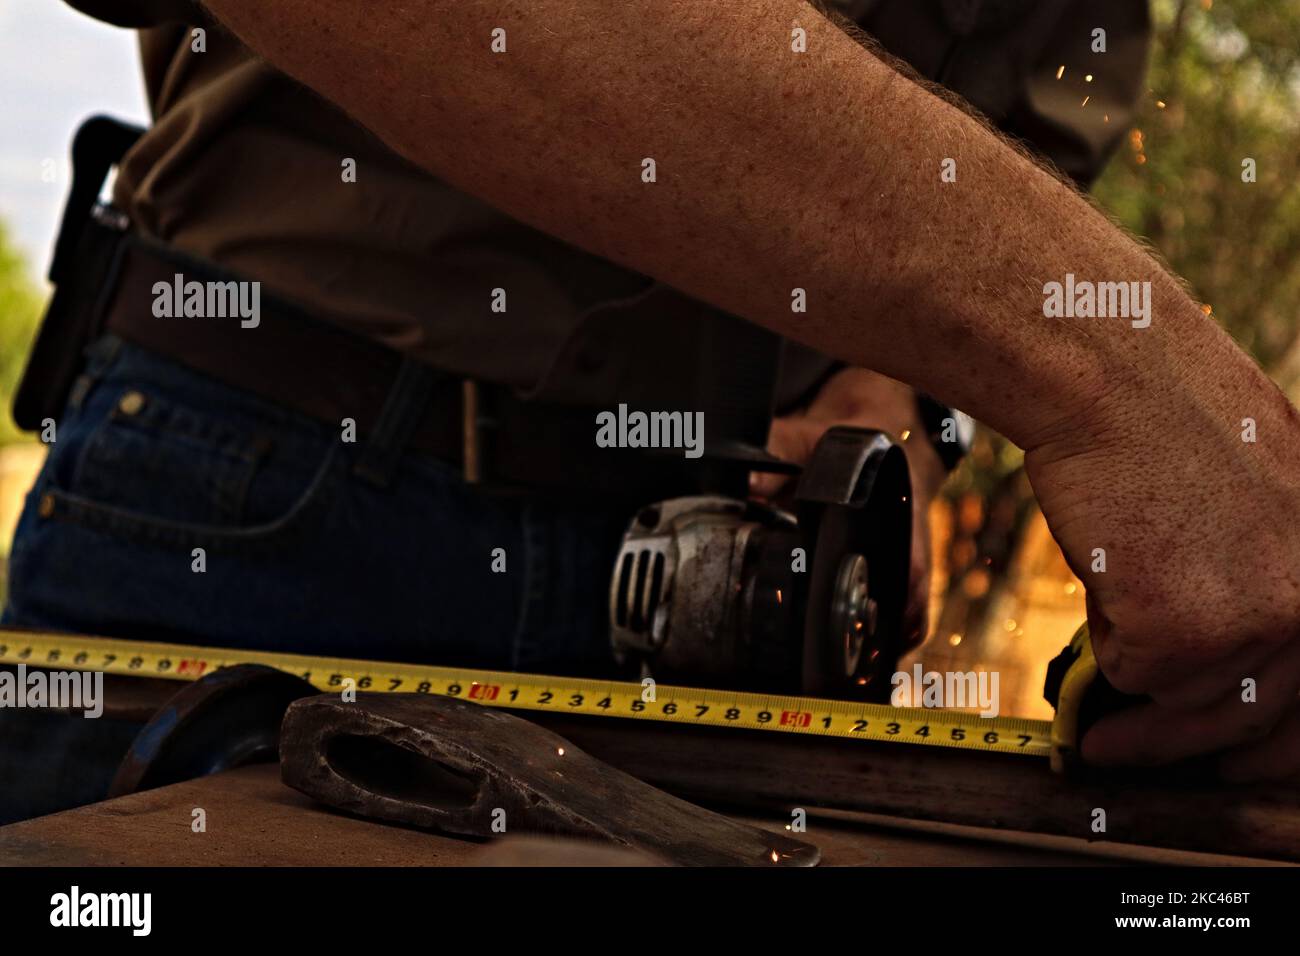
471, 439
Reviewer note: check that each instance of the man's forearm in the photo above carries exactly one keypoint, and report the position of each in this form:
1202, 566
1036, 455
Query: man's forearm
775, 170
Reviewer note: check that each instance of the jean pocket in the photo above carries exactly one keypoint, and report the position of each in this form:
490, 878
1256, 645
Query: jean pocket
143, 466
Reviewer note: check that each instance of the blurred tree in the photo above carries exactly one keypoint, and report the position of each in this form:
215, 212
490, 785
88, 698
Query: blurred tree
20, 308
1224, 95
1223, 88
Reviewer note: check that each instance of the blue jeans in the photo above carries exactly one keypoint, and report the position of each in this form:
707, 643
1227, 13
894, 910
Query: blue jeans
153, 461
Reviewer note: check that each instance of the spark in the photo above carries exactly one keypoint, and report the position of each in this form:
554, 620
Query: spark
1088, 78
1010, 624
1071, 588
776, 857
1061, 71
1160, 103
778, 595
560, 751
907, 433
1085, 101
954, 639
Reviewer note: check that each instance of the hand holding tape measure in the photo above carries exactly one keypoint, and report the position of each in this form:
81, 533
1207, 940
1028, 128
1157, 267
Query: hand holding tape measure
1234, 737
1182, 524
1075, 686
1081, 695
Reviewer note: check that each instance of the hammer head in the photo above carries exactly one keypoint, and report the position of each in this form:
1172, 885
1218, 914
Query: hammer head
455, 767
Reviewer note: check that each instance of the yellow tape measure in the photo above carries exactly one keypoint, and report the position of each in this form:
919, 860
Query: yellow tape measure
566, 695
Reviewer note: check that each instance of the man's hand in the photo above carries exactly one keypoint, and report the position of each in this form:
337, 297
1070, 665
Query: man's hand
866, 399
1182, 516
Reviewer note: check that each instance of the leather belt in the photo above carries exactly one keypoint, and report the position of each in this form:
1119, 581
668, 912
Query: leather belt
321, 371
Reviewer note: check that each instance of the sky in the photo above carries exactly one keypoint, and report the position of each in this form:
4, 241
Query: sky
57, 67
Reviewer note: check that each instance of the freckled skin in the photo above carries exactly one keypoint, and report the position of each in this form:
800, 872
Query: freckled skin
821, 171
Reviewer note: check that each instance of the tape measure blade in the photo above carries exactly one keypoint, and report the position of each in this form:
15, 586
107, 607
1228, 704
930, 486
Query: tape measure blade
530, 692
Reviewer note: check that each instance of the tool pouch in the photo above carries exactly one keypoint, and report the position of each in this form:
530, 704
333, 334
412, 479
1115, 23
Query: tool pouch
81, 271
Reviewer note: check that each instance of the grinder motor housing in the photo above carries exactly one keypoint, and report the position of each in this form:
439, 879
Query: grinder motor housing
738, 594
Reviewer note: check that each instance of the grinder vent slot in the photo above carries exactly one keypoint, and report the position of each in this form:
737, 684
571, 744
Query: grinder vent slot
640, 589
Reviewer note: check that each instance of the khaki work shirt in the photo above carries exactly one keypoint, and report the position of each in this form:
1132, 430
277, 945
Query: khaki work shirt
242, 166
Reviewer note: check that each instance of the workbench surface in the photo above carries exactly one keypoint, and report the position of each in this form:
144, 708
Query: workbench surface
252, 819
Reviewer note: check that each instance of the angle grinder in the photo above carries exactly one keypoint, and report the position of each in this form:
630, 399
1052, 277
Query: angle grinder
729, 593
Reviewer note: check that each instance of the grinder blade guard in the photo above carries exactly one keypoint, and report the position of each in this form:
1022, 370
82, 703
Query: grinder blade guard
736, 594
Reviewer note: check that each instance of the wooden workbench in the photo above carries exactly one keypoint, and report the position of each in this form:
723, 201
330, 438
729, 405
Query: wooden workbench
253, 819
